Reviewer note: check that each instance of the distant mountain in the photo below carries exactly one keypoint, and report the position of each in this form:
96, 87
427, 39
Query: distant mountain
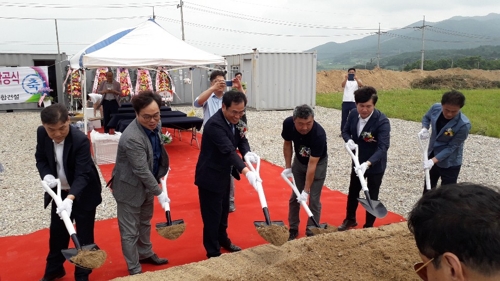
454, 33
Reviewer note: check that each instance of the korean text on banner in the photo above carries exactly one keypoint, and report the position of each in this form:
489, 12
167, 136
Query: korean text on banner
22, 84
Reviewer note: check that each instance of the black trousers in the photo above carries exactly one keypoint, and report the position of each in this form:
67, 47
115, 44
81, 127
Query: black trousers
59, 237
373, 182
346, 108
214, 213
109, 107
448, 175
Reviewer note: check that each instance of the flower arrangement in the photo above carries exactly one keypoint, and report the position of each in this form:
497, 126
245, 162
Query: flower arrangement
242, 127
143, 82
449, 132
368, 137
165, 138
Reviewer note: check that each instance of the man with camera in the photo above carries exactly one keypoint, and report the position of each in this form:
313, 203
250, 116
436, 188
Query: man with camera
350, 84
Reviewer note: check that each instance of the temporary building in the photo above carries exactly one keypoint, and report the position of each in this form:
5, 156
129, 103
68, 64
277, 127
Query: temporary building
144, 46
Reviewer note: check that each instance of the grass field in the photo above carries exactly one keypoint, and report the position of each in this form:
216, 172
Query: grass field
481, 106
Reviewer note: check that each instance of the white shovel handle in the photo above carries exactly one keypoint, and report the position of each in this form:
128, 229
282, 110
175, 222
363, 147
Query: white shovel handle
260, 189
163, 182
355, 159
423, 149
296, 191
58, 201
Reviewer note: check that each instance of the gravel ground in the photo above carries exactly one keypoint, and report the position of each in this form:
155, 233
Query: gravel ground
22, 211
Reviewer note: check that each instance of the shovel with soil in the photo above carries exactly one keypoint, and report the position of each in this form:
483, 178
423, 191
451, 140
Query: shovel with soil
318, 228
274, 232
170, 229
87, 256
424, 146
373, 207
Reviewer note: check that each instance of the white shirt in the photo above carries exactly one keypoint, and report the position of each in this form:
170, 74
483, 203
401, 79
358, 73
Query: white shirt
58, 151
362, 122
349, 89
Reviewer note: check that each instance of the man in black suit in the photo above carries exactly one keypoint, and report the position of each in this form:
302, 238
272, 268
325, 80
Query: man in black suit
218, 160
63, 152
370, 130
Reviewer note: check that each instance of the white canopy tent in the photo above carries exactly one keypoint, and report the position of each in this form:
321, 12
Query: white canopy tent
146, 45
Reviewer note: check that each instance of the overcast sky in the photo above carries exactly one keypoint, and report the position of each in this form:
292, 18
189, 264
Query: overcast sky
221, 27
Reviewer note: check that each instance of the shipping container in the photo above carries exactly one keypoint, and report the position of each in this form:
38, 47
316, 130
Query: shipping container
276, 81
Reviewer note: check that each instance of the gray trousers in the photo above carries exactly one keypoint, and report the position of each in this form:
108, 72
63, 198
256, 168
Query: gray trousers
299, 171
231, 191
135, 232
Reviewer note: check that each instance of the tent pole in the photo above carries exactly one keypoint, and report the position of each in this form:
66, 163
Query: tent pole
84, 101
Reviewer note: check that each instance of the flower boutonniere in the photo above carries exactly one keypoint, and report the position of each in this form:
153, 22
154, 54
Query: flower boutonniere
242, 127
165, 138
368, 137
449, 132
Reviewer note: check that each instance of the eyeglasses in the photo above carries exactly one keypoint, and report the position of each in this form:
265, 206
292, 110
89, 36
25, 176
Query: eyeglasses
419, 266
237, 113
148, 117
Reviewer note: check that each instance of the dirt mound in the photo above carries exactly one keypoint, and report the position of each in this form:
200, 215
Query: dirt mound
454, 82
385, 253
381, 79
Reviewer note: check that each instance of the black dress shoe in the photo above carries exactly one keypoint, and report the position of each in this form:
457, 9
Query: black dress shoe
54, 276
135, 273
347, 224
293, 234
231, 248
154, 259
309, 233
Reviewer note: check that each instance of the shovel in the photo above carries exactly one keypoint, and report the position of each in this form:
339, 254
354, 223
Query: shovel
373, 207
304, 205
76, 255
275, 232
423, 149
170, 229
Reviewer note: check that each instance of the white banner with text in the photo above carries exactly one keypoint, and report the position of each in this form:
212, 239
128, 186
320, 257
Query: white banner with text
23, 84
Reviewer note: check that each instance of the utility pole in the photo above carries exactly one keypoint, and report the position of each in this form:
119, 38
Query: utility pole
154, 16
423, 42
182, 18
378, 46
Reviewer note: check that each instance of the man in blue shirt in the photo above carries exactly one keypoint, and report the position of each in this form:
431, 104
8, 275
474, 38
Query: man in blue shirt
450, 129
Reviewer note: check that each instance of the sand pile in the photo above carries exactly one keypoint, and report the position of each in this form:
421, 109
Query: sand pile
385, 253
331, 81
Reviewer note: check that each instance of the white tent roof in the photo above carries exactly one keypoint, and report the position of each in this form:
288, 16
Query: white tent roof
147, 44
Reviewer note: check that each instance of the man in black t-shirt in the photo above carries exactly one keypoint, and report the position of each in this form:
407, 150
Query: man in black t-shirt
309, 164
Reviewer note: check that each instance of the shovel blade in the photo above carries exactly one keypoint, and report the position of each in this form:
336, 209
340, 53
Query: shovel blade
263, 223
164, 224
70, 253
374, 207
321, 225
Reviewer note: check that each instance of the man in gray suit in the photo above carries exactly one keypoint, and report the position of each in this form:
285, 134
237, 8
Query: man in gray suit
141, 161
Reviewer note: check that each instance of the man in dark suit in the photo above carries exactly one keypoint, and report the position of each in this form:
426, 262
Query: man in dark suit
63, 152
222, 134
141, 160
370, 130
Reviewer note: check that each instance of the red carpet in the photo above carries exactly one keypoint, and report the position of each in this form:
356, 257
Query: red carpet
23, 257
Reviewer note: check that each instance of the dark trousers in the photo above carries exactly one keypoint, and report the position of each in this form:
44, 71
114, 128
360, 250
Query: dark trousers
448, 175
373, 182
109, 107
214, 213
59, 237
346, 108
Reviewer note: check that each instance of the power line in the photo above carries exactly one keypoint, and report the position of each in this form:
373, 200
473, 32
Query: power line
257, 33
220, 12
74, 19
86, 6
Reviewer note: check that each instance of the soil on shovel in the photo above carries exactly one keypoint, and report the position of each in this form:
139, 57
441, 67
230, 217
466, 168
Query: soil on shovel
90, 258
171, 232
274, 234
329, 229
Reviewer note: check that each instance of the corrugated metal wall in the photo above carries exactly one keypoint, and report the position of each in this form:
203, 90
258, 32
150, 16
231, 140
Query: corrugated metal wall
277, 81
